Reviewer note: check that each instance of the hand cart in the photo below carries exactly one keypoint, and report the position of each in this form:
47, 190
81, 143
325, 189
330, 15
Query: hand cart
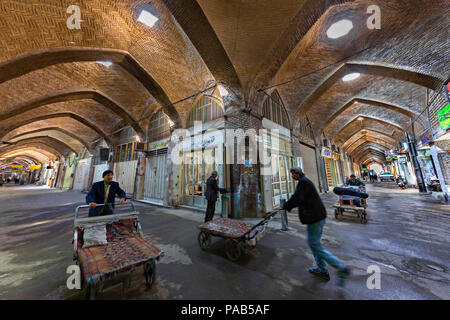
124, 249
349, 205
240, 236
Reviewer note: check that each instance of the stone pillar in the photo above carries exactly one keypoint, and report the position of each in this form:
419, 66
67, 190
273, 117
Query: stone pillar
172, 197
138, 192
323, 181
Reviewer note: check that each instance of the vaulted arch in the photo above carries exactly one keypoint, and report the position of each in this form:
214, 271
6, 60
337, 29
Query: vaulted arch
58, 115
396, 72
73, 95
47, 129
43, 58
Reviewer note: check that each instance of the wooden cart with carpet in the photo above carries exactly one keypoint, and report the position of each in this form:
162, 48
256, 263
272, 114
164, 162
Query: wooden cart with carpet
109, 245
240, 236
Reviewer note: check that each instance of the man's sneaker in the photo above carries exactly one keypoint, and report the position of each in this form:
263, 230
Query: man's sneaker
342, 276
320, 273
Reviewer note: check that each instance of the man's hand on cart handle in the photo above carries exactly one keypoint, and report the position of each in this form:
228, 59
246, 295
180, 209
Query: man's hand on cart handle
92, 204
122, 201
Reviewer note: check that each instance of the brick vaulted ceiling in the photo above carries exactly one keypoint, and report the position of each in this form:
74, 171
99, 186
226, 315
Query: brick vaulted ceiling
56, 99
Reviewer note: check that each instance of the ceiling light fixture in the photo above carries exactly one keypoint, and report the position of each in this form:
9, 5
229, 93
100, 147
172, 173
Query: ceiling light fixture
339, 29
360, 118
147, 18
351, 76
105, 63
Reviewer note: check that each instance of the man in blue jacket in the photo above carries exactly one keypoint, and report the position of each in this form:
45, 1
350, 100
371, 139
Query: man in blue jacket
312, 212
104, 192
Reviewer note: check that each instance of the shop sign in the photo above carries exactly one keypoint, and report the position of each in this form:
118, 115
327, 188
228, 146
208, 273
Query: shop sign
391, 156
335, 156
35, 167
203, 141
444, 117
158, 145
402, 159
326, 153
16, 166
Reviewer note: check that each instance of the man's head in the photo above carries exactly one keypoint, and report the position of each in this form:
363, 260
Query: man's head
214, 174
108, 176
352, 177
297, 173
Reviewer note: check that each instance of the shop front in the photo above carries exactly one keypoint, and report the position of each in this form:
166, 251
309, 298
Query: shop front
82, 175
201, 155
279, 184
426, 164
332, 167
309, 163
155, 171
125, 164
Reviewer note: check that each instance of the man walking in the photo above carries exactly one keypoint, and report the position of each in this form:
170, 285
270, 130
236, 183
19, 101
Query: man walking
211, 195
104, 192
312, 212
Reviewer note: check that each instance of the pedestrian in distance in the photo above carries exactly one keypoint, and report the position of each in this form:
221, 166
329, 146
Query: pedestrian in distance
312, 212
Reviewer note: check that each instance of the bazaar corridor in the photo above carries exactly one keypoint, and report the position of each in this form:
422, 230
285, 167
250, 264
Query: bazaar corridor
234, 128
406, 236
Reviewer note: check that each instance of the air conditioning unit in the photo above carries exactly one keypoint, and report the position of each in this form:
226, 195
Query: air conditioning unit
326, 143
139, 146
333, 147
104, 154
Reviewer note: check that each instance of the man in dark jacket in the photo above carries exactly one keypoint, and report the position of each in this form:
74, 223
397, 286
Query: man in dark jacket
312, 212
211, 195
104, 192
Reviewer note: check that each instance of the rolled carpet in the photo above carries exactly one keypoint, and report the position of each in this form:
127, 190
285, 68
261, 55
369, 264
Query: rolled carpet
350, 192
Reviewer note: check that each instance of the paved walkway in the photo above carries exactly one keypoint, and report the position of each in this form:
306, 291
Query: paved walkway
407, 237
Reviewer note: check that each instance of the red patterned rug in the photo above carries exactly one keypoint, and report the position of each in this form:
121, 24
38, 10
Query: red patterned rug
224, 227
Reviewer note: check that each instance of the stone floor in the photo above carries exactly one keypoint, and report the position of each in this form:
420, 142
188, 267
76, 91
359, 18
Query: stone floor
407, 237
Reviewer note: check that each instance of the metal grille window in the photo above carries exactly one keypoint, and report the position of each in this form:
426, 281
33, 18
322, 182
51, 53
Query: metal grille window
206, 109
125, 152
126, 133
274, 110
158, 127
304, 129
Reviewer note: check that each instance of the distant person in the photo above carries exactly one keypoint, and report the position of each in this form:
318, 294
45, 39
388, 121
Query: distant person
354, 181
104, 192
211, 195
312, 212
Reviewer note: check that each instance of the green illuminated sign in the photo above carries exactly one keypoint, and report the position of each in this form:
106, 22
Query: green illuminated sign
444, 117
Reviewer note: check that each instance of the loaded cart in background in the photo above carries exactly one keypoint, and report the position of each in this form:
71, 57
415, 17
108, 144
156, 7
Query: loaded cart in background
240, 236
105, 246
353, 200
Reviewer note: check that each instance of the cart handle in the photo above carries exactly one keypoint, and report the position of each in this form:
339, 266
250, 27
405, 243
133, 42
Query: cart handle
100, 205
268, 217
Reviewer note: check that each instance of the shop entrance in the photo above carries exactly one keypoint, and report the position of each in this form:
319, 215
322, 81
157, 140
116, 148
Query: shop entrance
155, 176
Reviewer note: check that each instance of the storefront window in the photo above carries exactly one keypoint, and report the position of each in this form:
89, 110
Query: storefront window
198, 167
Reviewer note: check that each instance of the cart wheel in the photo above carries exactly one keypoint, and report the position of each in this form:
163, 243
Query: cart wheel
233, 250
150, 273
204, 240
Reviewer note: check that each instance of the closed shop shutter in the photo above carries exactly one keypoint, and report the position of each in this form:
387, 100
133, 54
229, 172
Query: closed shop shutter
309, 164
155, 176
125, 174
